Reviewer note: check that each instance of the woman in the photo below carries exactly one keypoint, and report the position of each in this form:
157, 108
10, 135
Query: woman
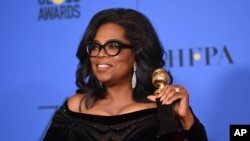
115, 101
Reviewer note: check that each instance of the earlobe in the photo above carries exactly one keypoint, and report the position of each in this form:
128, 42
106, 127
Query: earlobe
135, 64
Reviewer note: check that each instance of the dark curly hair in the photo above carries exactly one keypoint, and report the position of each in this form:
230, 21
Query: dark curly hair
149, 53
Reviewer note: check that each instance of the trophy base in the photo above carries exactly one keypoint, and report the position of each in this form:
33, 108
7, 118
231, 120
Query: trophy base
167, 121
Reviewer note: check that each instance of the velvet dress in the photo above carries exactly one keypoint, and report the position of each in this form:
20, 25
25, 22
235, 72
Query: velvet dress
140, 125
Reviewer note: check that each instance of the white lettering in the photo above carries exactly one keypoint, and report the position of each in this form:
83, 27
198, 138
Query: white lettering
240, 132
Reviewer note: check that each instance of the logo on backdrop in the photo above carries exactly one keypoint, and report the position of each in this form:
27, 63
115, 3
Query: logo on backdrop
206, 56
58, 9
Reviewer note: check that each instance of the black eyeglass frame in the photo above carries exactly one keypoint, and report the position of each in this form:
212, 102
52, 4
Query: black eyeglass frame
120, 46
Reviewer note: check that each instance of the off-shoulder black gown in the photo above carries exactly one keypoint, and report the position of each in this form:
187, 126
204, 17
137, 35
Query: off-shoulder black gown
136, 126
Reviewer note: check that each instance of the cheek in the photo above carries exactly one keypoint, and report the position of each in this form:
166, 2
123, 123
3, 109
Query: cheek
92, 63
126, 59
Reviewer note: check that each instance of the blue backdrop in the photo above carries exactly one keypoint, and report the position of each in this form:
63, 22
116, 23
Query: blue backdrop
207, 42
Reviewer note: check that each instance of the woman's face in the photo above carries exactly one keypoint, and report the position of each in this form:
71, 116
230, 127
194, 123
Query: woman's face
116, 69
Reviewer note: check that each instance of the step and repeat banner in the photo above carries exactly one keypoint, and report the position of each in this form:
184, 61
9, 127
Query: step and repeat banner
208, 46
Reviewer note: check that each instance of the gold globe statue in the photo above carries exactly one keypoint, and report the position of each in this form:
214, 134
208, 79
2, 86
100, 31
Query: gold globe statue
159, 79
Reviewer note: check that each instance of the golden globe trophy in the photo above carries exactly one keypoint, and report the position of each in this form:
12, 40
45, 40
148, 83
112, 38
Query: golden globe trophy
167, 120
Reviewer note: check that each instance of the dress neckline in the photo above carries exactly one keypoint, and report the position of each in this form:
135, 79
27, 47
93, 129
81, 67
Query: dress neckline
95, 115
144, 113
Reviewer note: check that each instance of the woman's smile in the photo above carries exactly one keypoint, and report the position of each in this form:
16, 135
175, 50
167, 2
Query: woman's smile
103, 66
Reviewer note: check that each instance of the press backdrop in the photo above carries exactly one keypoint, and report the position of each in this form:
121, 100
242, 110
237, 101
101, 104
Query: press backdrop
207, 44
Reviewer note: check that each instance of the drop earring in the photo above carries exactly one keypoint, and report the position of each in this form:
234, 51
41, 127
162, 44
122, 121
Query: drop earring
133, 82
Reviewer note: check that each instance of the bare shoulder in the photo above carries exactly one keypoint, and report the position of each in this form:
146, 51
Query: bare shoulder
75, 101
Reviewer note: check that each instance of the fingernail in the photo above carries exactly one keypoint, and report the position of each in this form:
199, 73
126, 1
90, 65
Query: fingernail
161, 99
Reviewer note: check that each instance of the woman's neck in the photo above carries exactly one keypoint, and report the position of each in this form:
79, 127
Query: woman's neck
120, 93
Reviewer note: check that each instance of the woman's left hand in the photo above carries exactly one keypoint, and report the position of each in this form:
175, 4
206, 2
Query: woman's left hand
178, 97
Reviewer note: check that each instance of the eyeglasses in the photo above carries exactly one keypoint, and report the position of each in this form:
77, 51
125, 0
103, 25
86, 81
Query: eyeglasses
111, 48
